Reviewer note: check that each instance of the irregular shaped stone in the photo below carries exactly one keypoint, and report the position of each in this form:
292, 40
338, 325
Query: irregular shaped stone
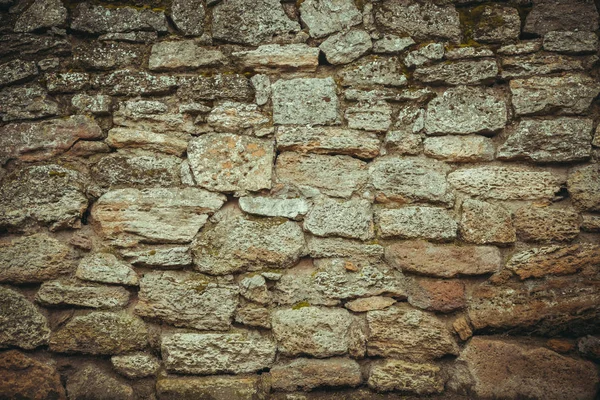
461, 72
187, 299
569, 94
24, 43
459, 53
227, 162
234, 352
337, 176
315, 331
519, 48
554, 260
134, 138
188, 16
239, 22
571, 42
409, 180
562, 139
38, 141
23, 325
135, 365
262, 88
133, 37
460, 148
506, 183
392, 44
401, 331
416, 222
269, 57
100, 332
422, 21
17, 70
223, 387
369, 116
45, 194
542, 64
131, 83
219, 86
86, 148
98, 104
27, 378
90, 382
496, 23
252, 314
67, 82
561, 15
589, 347
106, 268
463, 110
590, 223
305, 101
26, 102
155, 215
436, 295
349, 219
236, 244
418, 378
34, 258
236, 117
41, 14
324, 17
346, 47
81, 294
369, 303
337, 247
107, 55
584, 187
272, 207
486, 223
425, 54
97, 19
254, 288
161, 257
403, 142
308, 374
462, 328
545, 224
445, 261
373, 71
182, 54
523, 371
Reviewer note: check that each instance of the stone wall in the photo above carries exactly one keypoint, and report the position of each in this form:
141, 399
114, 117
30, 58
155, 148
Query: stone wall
327, 199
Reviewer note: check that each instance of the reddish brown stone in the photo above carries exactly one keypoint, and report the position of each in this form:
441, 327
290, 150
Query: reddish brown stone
436, 294
22, 377
560, 345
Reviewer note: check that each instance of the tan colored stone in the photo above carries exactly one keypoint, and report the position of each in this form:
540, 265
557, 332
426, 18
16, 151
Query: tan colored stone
436, 295
23, 325
486, 223
71, 292
26, 378
415, 222
462, 328
182, 54
307, 374
545, 224
133, 138
369, 303
560, 345
584, 187
269, 57
350, 219
223, 387
419, 378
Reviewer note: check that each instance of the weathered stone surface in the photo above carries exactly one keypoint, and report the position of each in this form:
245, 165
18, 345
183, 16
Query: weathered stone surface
236, 117
107, 55
98, 104
416, 222
254, 288
554, 260
523, 371
562, 139
569, 94
227, 162
23, 325
409, 180
135, 365
542, 64
133, 37
91, 382
34, 258
506, 183
46, 194
590, 223
26, 378
252, 314
444, 261
561, 15
462, 72
187, 299
272, 207
305, 101
462, 328
212, 353
571, 42
337, 247
392, 44
97, 19
182, 54
458, 53
460, 148
486, 223
161, 257
425, 54
154, 215
188, 16
401, 331
464, 110
315, 331
373, 71
67, 82
133, 138
106, 268
130, 83
25, 43
100, 332
422, 21
210, 387
519, 48
26, 102
239, 22
346, 47
86, 148
369, 303
37, 141
324, 17
41, 14
589, 347
82, 294
436, 294
350, 219
403, 141
370, 116
545, 224
17, 70
262, 88
308, 374
584, 187
496, 24
235, 243
337, 176
388, 375
269, 57
219, 86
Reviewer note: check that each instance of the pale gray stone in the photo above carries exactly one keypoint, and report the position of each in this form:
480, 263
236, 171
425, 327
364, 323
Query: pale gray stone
82, 294
373, 71
254, 288
461, 72
26, 102
519, 48
416, 222
23, 325
97, 19
188, 16
159, 257
106, 55
41, 14
419, 378
156, 117
128, 82
17, 70
392, 44
270, 57
562, 139
91, 382
305, 101
346, 47
236, 117
584, 187
187, 299
369, 116
571, 42
262, 88
561, 15
135, 365
106, 268
324, 17
459, 53
308, 374
183, 54
543, 63
337, 247
460, 148
96, 104
133, 37
497, 24
236, 352
430, 52
350, 219
274, 207
486, 223
403, 141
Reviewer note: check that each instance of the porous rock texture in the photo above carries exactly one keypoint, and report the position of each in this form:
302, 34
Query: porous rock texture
299, 200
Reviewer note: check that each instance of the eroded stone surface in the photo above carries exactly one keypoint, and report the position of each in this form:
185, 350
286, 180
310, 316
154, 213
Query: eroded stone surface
416, 222
346, 47
496, 24
26, 102
82, 294
305, 101
17, 70
41, 14
28, 378
373, 71
461, 72
97, 19
543, 224
561, 15
106, 268
571, 42
23, 325
135, 365
350, 219
221, 387
486, 223
90, 381
418, 378
460, 148
308, 374
188, 16
584, 187
324, 17
182, 54
370, 116
272, 207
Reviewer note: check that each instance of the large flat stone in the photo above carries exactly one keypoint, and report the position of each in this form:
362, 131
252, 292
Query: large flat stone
221, 387
219, 86
486, 223
459, 148
561, 15
571, 42
461, 72
127, 82
338, 247
73, 292
371, 71
416, 222
273, 207
543, 63
97, 19
369, 116
350, 219
345, 47
26, 102
324, 17
184, 54
584, 187
41, 14
23, 325
27, 378
90, 381
305, 101
17, 70
270, 57
418, 378
237, 117
308, 374
99, 56
106, 268
545, 224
